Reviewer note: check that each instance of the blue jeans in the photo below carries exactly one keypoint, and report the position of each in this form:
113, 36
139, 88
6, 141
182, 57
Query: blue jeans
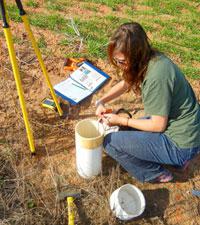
143, 153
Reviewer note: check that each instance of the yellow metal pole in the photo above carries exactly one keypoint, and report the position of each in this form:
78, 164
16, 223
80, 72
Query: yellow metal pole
39, 56
15, 68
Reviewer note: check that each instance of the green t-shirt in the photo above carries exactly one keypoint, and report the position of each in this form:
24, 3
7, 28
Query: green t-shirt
166, 92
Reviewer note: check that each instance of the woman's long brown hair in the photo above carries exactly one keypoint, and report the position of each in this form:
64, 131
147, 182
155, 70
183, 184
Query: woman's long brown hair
131, 40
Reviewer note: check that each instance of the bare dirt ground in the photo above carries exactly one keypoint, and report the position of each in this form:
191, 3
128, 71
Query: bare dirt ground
29, 185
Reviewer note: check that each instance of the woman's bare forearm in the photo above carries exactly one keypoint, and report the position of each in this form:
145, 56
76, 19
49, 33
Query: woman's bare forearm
115, 92
154, 124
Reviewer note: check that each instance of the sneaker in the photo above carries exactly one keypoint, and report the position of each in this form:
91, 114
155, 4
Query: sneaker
163, 178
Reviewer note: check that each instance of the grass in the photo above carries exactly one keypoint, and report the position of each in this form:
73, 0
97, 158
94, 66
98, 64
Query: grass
167, 7
176, 35
29, 186
32, 3
17, 40
53, 6
90, 7
191, 71
111, 3
34, 204
42, 42
13, 13
56, 5
51, 22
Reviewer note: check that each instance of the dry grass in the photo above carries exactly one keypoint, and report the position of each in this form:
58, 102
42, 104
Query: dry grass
24, 200
29, 186
30, 196
21, 201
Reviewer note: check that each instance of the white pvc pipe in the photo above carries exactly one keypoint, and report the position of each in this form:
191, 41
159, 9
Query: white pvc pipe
89, 136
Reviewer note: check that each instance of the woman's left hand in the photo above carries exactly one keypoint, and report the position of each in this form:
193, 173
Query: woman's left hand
111, 119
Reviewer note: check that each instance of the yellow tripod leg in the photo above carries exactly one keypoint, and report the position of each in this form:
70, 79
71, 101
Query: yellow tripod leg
7, 17
39, 56
15, 68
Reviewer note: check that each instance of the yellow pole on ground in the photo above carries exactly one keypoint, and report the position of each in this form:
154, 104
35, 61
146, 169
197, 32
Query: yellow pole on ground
39, 56
70, 204
15, 68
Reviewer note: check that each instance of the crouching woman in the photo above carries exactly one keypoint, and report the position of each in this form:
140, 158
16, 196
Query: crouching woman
171, 132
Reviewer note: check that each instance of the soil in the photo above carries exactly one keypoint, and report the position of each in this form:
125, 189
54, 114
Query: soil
53, 167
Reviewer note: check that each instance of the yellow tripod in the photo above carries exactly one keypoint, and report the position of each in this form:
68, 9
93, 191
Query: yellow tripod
15, 67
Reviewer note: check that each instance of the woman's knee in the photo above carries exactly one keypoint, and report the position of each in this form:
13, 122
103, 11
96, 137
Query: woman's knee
106, 141
110, 143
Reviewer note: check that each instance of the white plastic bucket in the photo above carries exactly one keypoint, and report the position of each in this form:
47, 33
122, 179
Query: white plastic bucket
127, 202
89, 136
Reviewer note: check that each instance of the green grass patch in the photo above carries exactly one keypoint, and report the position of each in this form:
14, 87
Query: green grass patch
191, 72
148, 27
17, 40
89, 28
166, 47
97, 48
171, 32
96, 38
133, 12
191, 42
174, 25
193, 25
189, 55
90, 7
13, 13
160, 21
32, 3
42, 42
64, 42
111, 3
53, 22
76, 54
57, 5
171, 7
114, 21
170, 47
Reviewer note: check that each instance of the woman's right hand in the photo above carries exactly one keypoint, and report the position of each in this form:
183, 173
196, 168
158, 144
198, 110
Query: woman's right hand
100, 110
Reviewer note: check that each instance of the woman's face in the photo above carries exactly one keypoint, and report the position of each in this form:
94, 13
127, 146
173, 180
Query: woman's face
120, 60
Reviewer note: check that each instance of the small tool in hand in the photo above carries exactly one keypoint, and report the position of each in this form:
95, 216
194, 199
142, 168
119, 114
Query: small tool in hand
103, 113
107, 111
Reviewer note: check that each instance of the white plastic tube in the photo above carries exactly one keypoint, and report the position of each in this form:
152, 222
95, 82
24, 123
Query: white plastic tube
89, 136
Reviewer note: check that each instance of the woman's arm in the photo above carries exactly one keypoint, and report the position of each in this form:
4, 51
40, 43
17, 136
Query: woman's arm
114, 92
154, 124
